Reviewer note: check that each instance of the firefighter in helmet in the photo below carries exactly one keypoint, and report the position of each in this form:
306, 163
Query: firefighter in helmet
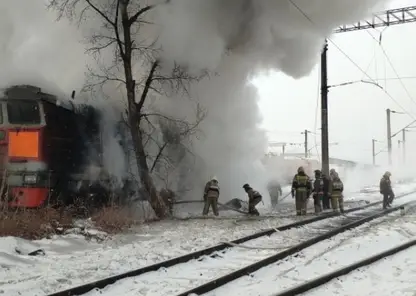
211, 195
337, 197
301, 189
386, 190
318, 191
254, 197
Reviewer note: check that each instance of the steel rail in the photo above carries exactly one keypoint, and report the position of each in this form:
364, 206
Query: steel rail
218, 282
319, 281
100, 284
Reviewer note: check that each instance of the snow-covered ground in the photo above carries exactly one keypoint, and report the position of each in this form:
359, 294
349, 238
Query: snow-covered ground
327, 256
71, 260
182, 277
393, 276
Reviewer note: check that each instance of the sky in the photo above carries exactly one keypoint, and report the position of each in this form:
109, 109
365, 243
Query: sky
357, 112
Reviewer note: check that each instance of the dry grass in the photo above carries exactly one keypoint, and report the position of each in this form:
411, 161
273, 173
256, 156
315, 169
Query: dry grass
40, 223
33, 224
114, 219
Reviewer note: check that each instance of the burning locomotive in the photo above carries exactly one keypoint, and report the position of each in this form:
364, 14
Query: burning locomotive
50, 151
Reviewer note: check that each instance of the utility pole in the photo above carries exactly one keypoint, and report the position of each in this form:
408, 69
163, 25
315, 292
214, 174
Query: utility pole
404, 145
379, 20
388, 112
306, 143
374, 151
324, 111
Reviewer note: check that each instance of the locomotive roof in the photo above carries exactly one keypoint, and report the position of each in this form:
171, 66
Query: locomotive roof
29, 92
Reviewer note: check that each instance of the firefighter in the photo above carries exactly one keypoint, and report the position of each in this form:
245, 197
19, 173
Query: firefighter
301, 184
275, 191
318, 191
386, 190
254, 197
211, 195
337, 188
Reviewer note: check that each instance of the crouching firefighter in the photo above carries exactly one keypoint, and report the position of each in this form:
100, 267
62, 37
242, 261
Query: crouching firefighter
318, 191
301, 189
211, 195
386, 190
337, 198
254, 197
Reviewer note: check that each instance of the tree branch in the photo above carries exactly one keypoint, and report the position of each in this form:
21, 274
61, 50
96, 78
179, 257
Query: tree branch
102, 14
159, 154
117, 33
134, 18
147, 85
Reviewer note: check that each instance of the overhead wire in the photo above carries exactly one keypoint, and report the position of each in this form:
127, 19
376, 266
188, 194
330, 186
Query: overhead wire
353, 62
365, 72
397, 77
393, 68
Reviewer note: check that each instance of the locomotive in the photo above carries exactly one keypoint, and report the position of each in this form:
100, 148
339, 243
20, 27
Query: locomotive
50, 150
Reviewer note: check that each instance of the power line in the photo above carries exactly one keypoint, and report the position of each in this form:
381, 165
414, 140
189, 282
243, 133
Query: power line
372, 80
352, 61
393, 68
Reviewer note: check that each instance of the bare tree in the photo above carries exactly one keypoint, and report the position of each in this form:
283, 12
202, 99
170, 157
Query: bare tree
118, 27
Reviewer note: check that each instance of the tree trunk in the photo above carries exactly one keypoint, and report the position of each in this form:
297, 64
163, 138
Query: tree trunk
134, 119
144, 172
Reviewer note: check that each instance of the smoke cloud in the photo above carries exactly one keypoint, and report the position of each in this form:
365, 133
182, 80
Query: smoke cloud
233, 38
236, 39
34, 49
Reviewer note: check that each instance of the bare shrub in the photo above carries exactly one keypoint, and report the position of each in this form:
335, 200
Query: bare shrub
33, 224
114, 219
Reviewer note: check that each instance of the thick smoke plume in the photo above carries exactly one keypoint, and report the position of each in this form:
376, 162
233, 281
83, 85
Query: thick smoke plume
233, 38
236, 38
34, 49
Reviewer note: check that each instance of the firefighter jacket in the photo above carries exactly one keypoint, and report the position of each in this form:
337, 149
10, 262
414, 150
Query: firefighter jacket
253, 194
337, 187
385, 186
318, 186
301, 183
212, 189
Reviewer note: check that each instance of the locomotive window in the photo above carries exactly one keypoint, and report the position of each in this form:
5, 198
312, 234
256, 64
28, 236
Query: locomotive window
23, 112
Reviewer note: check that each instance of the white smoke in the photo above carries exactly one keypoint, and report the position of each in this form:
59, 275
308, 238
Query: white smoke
34, 49
236, 38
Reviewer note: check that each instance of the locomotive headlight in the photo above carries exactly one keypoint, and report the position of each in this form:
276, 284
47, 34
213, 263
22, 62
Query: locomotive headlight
30, 179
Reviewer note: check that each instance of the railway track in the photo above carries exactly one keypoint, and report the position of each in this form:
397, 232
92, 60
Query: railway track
321, 280
172, 273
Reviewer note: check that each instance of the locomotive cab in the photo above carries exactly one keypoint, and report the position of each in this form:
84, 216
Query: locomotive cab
22, 164
45, 147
